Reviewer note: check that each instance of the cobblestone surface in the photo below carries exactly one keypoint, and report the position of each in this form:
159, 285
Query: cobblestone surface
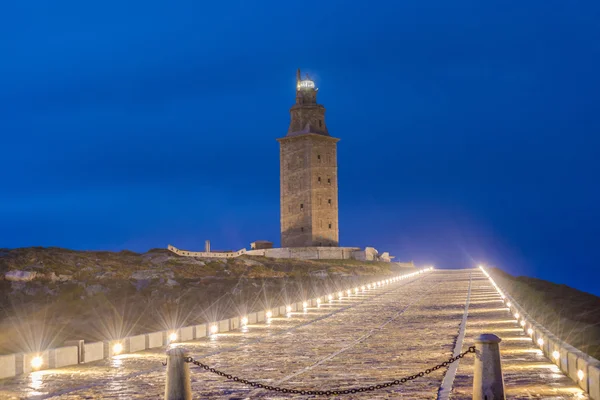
384, 334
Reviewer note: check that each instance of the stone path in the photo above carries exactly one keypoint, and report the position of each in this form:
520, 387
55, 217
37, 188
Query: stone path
384, 334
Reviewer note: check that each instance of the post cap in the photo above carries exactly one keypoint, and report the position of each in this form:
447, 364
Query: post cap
488, 338
177, 351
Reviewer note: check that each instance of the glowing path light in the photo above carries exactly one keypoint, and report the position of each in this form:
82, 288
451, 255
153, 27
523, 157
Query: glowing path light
269, 314
214, 329
523, 323
556, 355
244, 321
318, 302
172, 337
540, 341
288, 309
117, 348
304, 305
580, 375
530, 331
330, 297
37, 362
340, 295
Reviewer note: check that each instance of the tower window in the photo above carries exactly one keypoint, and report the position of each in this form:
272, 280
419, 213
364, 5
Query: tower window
302, 206
329, 201
320, 123
319, 179
319, 157
301, 229
329, 226
329, 181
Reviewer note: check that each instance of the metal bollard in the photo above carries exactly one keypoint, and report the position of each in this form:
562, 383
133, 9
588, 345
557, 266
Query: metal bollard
488, 383
178, 386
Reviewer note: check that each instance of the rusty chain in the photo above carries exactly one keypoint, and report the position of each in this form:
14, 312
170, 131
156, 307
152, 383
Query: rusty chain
330, 392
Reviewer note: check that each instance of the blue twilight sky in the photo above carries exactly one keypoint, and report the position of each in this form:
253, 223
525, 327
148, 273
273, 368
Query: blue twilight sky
469, 129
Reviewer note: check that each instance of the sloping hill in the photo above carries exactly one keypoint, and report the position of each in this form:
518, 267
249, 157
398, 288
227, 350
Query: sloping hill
570, 314
48, 295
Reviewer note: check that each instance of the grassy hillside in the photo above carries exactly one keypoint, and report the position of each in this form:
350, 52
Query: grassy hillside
48, 295
570, 314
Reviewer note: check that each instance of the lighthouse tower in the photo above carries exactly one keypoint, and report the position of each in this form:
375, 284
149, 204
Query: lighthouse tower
308, 174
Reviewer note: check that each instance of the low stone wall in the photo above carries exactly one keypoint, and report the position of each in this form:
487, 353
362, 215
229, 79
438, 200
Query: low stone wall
137, 343
580, 367
155, 339
8, 366
64, 356
307, 253
303, 253
93, 352
204, 254
16, 364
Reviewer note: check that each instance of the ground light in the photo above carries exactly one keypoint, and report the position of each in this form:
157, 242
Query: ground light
556, 355
530, 331
269, 314
37, 362
540, 341
244, 321
580, 375
288, 309
172, 337
117, 348
214, 329
330, 297
304, 305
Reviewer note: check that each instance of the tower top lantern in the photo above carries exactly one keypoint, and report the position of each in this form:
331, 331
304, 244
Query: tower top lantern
306, 83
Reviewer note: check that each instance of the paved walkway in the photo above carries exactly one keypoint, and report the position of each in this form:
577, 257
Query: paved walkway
385, 334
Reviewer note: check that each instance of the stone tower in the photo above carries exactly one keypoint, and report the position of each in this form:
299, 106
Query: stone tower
308, 182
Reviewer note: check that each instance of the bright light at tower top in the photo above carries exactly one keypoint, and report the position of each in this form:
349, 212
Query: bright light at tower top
306, 84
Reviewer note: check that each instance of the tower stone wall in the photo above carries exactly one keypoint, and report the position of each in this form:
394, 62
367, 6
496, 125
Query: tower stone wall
308, 175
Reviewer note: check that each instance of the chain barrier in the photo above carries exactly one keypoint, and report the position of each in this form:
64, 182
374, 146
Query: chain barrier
330, 392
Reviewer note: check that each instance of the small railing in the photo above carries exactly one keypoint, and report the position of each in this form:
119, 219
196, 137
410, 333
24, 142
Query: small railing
488, 382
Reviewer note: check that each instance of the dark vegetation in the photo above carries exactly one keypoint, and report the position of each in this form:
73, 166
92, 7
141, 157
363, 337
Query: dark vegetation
570, 314
63, 294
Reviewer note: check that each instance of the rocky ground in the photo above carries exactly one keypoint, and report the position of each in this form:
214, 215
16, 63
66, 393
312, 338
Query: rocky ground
48, 295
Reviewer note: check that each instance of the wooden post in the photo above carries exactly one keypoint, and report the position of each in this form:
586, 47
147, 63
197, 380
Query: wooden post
488, 383
178, 386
